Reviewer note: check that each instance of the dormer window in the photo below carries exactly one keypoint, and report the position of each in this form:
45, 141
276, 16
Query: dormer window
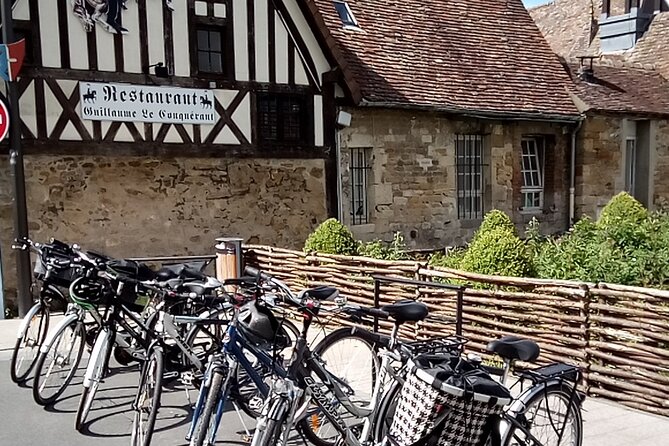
345, 14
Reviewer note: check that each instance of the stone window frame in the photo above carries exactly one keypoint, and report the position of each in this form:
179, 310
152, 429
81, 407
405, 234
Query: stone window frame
532, 172
468, 167
360, 168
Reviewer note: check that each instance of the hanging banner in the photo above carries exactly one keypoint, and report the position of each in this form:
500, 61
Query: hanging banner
141, 103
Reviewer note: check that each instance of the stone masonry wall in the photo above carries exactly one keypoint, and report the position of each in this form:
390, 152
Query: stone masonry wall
413, 174
138, 206
600, 163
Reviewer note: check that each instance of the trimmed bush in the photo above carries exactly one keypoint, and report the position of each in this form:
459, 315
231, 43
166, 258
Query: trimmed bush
331, 237
497, 251
495, 219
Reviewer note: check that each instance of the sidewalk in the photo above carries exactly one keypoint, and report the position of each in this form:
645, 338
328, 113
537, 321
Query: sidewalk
605, 423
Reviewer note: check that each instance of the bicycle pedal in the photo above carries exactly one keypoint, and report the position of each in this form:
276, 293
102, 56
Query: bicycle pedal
246, 438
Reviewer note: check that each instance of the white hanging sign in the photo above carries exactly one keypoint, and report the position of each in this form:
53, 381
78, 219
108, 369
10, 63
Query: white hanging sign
141, 103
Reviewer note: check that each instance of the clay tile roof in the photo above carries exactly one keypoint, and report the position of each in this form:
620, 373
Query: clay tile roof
476, 56
622, 90
571, 29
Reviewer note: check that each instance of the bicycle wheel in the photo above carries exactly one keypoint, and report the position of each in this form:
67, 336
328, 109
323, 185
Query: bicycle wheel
147, 401
205, 425
270, 434
203, 339
58, 362
26, 349
95, 371
546, 415
352, 360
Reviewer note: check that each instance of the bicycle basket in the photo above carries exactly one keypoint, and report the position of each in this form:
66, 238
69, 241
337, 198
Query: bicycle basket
445, 402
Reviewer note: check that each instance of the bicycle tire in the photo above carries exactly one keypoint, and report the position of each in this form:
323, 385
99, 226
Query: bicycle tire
315, 421
29, 344
270, 435
203, 426
50, 361
152, 375
515, 436
99, 366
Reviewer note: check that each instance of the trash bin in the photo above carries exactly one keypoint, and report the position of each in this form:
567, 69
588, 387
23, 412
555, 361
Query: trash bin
228, 258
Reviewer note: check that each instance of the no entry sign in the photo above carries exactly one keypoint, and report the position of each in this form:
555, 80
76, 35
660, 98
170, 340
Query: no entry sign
4, 120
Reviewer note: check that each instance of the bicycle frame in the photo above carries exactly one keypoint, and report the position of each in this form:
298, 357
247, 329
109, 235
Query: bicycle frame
234, 351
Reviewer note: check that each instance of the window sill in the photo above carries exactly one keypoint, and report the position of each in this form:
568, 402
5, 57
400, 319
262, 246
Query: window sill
531, 211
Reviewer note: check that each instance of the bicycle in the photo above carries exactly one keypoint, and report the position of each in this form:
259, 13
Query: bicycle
52, 271
250, 338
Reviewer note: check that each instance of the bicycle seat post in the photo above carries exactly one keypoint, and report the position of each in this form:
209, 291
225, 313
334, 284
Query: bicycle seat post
393, 335
508, 363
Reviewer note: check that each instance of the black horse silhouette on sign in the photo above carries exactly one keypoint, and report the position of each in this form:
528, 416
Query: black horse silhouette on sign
89, 96
206, 103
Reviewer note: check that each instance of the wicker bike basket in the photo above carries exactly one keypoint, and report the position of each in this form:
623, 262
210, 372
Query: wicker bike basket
445, 401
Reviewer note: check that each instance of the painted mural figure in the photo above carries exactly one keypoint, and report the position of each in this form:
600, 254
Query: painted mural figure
92, 11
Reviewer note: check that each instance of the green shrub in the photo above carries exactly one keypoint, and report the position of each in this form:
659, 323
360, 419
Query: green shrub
622, 221
495, 219
452, 259
497, 251
377, 249
331, 237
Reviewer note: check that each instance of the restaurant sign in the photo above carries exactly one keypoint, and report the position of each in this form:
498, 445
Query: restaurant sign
126, 102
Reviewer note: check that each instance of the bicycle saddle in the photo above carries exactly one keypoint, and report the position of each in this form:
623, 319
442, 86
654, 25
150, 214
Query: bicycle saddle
320, 293
406, 311
512, 347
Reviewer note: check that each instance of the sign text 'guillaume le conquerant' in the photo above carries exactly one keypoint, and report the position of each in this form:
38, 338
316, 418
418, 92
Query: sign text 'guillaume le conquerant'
124, 102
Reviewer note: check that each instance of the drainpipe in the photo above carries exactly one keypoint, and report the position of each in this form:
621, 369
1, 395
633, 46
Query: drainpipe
572, 173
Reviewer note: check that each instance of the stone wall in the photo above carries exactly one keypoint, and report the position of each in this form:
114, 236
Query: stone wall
413, 174
600, 169
139, 206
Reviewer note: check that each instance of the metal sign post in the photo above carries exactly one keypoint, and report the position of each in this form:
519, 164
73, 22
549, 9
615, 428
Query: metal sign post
16, 165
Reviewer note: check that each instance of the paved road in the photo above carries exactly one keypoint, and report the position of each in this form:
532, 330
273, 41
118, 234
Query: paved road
22, 422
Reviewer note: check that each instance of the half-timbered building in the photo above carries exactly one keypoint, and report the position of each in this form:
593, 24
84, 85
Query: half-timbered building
153, 126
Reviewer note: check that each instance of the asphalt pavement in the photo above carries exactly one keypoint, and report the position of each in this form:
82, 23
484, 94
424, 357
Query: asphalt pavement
23, 422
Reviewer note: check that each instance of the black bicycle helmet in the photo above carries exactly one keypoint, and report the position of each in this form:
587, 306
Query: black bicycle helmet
258, 325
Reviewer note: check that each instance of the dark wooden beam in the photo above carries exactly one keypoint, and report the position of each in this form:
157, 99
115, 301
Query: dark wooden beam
169, 40
330, 142
250, 23
37, 42
63, 36
143, 36
271, 37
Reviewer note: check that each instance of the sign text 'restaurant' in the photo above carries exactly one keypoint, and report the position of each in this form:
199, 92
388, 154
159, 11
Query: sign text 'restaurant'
124, 102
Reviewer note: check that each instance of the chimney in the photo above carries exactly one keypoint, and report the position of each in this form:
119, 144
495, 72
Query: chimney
586, 71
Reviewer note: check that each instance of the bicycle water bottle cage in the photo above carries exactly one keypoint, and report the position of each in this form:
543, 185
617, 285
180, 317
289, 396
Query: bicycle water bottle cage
406, 311
515, 348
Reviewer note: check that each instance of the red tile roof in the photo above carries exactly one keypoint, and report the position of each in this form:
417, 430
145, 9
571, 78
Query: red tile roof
467, 56
570, 27
622, 90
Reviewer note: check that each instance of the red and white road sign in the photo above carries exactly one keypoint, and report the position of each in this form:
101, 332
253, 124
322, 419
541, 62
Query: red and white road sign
4, 120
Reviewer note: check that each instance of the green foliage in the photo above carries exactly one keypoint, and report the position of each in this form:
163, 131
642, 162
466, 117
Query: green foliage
452, 259
331, 237
622, 222
495, 219
497, 251
377, 249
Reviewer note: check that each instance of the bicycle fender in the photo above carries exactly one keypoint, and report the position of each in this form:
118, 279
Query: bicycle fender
100, 341
26, 320
49, 340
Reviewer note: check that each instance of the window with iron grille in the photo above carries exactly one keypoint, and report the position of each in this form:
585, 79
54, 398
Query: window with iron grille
469, 158
532, 171
282, 118
360, 172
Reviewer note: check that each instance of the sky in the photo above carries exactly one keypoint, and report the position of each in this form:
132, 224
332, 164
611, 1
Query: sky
529, 3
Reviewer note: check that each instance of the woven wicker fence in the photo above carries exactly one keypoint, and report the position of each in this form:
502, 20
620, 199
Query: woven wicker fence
618, 335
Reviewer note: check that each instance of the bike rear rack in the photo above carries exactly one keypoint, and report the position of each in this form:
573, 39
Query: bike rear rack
560, 371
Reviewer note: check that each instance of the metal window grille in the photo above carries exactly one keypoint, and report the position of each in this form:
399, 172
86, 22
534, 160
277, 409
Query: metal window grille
469, 166
532, 172
209, 51
630, 164
282, 118
360, 168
